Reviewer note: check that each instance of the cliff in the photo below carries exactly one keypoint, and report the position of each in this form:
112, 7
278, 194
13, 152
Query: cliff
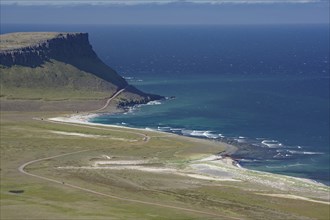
34, 49
59, 61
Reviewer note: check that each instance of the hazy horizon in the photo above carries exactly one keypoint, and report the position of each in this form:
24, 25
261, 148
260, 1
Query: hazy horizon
168, 12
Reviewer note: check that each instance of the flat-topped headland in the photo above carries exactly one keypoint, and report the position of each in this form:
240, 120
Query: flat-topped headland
35, 48
62, 64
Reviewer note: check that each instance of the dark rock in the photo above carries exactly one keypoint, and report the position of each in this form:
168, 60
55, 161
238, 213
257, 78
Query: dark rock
17, 191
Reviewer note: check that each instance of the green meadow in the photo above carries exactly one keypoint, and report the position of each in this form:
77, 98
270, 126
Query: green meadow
124, 193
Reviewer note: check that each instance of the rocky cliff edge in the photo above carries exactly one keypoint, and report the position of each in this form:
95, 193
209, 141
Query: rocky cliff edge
28, 53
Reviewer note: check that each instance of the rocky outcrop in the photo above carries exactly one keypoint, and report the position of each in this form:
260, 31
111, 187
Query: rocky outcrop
64, 46
24, 57
136, 97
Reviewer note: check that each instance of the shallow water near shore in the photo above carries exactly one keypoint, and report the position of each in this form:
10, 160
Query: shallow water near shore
263, 88
274, 105
268, 141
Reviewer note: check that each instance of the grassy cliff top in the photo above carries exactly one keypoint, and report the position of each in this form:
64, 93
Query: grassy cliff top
18, 40
62, 65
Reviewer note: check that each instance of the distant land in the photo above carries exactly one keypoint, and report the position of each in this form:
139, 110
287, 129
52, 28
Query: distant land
51, 66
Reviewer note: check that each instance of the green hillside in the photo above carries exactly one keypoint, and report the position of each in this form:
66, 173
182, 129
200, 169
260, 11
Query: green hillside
53, 80
59, 66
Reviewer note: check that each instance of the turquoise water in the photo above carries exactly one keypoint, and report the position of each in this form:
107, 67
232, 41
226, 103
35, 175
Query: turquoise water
261, 83
257, 109
266, 88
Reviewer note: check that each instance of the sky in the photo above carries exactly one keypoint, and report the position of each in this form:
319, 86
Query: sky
164, 12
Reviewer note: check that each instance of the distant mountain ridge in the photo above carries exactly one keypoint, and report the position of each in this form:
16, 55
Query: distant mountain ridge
62, 61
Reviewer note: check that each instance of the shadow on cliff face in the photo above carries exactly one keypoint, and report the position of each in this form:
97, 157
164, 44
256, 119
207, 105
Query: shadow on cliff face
67, 60
96, 67
88, 64
22, 57
70, 48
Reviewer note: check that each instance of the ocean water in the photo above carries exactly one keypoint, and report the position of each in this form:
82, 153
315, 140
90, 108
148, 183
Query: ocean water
264, 88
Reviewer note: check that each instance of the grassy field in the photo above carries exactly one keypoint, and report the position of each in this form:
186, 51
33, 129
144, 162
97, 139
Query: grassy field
125, 193
54, 80
19, 40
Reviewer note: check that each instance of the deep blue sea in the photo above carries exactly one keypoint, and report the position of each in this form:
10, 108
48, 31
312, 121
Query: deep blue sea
265, 88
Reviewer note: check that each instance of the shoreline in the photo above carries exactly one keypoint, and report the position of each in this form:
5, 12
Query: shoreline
84, 118
224, 156
175, 169
240, 145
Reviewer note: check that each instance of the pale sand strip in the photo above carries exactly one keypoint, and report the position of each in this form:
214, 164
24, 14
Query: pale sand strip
84, 119
77, 134
255, 177
157, 170
287, 196
90, 135
23, 166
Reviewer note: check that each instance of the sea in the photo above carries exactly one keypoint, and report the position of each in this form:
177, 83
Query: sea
263, 88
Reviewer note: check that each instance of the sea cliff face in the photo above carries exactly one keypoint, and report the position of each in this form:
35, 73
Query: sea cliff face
65, 46
59, 61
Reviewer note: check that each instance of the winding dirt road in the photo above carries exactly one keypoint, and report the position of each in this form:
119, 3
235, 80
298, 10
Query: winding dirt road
145, 139
110, 99
23, 166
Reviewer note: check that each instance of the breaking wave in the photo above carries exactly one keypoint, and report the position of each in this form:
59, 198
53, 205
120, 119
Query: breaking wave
154, 103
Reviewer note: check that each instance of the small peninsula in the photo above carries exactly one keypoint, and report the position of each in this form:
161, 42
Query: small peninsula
51, 66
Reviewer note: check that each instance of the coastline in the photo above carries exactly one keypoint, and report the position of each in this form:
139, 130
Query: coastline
260, 154
220, 159
178, 166
84, 119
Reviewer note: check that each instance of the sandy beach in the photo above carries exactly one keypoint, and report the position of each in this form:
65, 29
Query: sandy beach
84, 119
212, 167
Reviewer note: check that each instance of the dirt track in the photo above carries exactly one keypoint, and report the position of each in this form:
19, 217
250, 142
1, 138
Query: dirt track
23, 166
